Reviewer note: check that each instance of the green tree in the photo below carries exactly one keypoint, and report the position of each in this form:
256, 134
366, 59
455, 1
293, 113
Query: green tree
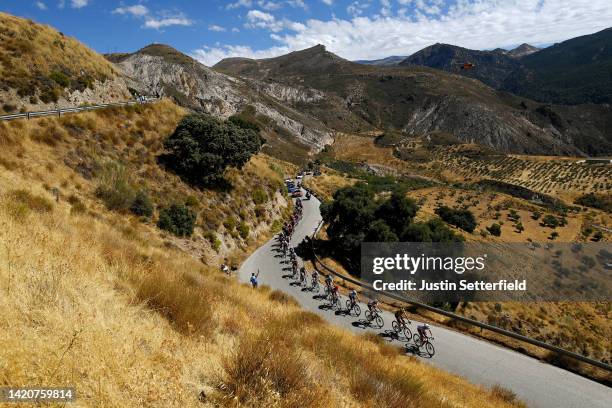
494, 229
142, 205
201, 148
463, 219
397, 211
379, 231
550, 221
177, 219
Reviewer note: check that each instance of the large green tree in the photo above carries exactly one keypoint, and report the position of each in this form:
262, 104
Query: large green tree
358, 215
202, 147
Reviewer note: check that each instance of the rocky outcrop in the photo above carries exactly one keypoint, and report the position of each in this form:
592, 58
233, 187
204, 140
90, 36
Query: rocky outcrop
109, 91
508, 131
161, 70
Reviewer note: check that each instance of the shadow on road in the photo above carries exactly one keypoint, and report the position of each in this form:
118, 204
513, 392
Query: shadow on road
412, 349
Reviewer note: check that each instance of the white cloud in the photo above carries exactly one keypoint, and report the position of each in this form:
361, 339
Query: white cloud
216, 28
477, 24
269, 5
211, 55
328, 2
41, 5
78, 3
135, 10
157, 23
239, 3
154, 20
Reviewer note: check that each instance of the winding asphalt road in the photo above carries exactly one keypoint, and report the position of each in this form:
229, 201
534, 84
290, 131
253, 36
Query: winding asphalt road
538, 384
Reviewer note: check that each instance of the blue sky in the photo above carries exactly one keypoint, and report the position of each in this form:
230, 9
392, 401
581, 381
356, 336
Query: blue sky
355, 29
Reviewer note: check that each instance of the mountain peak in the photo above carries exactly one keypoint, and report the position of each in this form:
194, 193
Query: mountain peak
167, 52
522, 50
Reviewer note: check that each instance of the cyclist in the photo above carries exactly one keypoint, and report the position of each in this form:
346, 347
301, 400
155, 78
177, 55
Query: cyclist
353, 297
400, 316
421, 329
373, 306
334, 293
329, 281
294, 266
315, 276
302, 274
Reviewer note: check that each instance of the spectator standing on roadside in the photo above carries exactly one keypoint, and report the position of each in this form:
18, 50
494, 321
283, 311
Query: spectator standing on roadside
253, 279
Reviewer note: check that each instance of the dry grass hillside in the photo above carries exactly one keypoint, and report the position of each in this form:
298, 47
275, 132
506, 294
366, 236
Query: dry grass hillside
40, 66
100, 300
112, 156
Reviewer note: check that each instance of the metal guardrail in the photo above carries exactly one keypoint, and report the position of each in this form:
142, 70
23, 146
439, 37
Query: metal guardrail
454, 316
59, 112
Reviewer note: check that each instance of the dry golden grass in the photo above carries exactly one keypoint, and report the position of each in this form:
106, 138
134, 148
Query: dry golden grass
131, 139
40, 62
327, 183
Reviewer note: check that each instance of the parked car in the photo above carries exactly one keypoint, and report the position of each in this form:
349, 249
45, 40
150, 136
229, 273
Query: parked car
296, 193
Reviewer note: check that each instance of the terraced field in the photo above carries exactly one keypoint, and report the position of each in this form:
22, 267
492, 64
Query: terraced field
561, 177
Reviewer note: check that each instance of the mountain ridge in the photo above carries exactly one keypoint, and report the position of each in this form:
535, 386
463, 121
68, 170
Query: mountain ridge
418, 100
572, 72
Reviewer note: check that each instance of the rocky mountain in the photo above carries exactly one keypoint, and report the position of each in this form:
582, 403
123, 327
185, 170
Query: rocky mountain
161, 70
419, 100
389, 61
523, 50
490, 67
572, 72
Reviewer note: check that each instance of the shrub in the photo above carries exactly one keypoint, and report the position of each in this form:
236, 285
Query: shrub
214, 241
115, 188
601, 202
49, 94
598, 236
230, 223
243, 230
260, 196
77, 207
244, 123
60, 78
32, 202
191, 201
494, 229
550, 221
9, 108
142, 205
177, 219
201, 148
463, 219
